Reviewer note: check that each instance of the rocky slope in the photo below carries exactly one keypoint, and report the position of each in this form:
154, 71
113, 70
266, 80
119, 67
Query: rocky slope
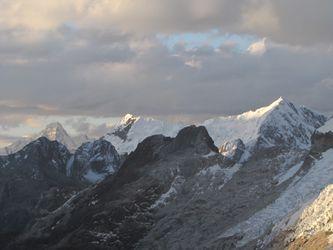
178, 193
33, 182
308, 221
118, 212
92, 161
185, 193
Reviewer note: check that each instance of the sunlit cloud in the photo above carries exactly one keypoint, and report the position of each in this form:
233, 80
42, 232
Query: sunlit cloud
103, 58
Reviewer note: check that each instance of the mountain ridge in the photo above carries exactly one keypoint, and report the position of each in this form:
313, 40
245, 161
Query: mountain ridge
53, 131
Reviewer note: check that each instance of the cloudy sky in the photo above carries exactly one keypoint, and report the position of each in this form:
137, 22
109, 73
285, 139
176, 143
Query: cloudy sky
85, 62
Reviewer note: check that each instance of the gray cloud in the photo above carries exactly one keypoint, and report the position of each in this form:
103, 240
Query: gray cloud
74, 62
155, 81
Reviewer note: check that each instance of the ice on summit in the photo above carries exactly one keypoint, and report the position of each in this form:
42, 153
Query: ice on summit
280, 121
131, 130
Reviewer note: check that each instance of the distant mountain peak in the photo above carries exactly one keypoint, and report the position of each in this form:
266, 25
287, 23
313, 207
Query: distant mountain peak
54, 132
279, 122
128, 118
54, 125
265, 110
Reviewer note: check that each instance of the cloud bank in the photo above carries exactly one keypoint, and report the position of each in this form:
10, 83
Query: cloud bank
106, 57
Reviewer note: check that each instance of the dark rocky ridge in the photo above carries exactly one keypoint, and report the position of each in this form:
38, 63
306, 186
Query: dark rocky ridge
33, 182
92, 161
170, 193
118, 212
173, 193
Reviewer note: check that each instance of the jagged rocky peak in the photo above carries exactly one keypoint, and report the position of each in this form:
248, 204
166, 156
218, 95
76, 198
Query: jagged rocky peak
43, 148
191, 137
41, 159
33, 182
119, 209
128, 119
155, 147
289, 126
92, 161
121, 130
195, 137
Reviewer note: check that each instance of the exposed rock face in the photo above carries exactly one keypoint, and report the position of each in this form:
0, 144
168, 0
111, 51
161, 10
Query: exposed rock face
119, 211
125, 126
176, 193
322, 142
233, 150
181, 193
93, 161
33, 182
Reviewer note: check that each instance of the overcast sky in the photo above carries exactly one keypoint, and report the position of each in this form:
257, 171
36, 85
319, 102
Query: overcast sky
85, 61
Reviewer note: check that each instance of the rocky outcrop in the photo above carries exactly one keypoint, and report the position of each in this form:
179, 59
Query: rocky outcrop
233, 150
33, 182
93, 161
119, 211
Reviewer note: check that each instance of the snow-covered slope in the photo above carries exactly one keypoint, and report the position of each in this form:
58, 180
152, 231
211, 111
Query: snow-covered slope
328, 127
318, 217
54, 132
300, 192
131, 130
279, 123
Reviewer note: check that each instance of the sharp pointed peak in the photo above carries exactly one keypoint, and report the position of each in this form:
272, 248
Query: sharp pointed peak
280, 100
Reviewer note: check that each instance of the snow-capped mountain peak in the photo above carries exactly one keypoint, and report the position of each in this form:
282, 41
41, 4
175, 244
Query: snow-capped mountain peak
277, 123
54, 132
131, 130
260, 112
128, 118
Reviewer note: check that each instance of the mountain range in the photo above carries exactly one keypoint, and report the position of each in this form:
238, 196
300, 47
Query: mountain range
258, 180
54, 132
